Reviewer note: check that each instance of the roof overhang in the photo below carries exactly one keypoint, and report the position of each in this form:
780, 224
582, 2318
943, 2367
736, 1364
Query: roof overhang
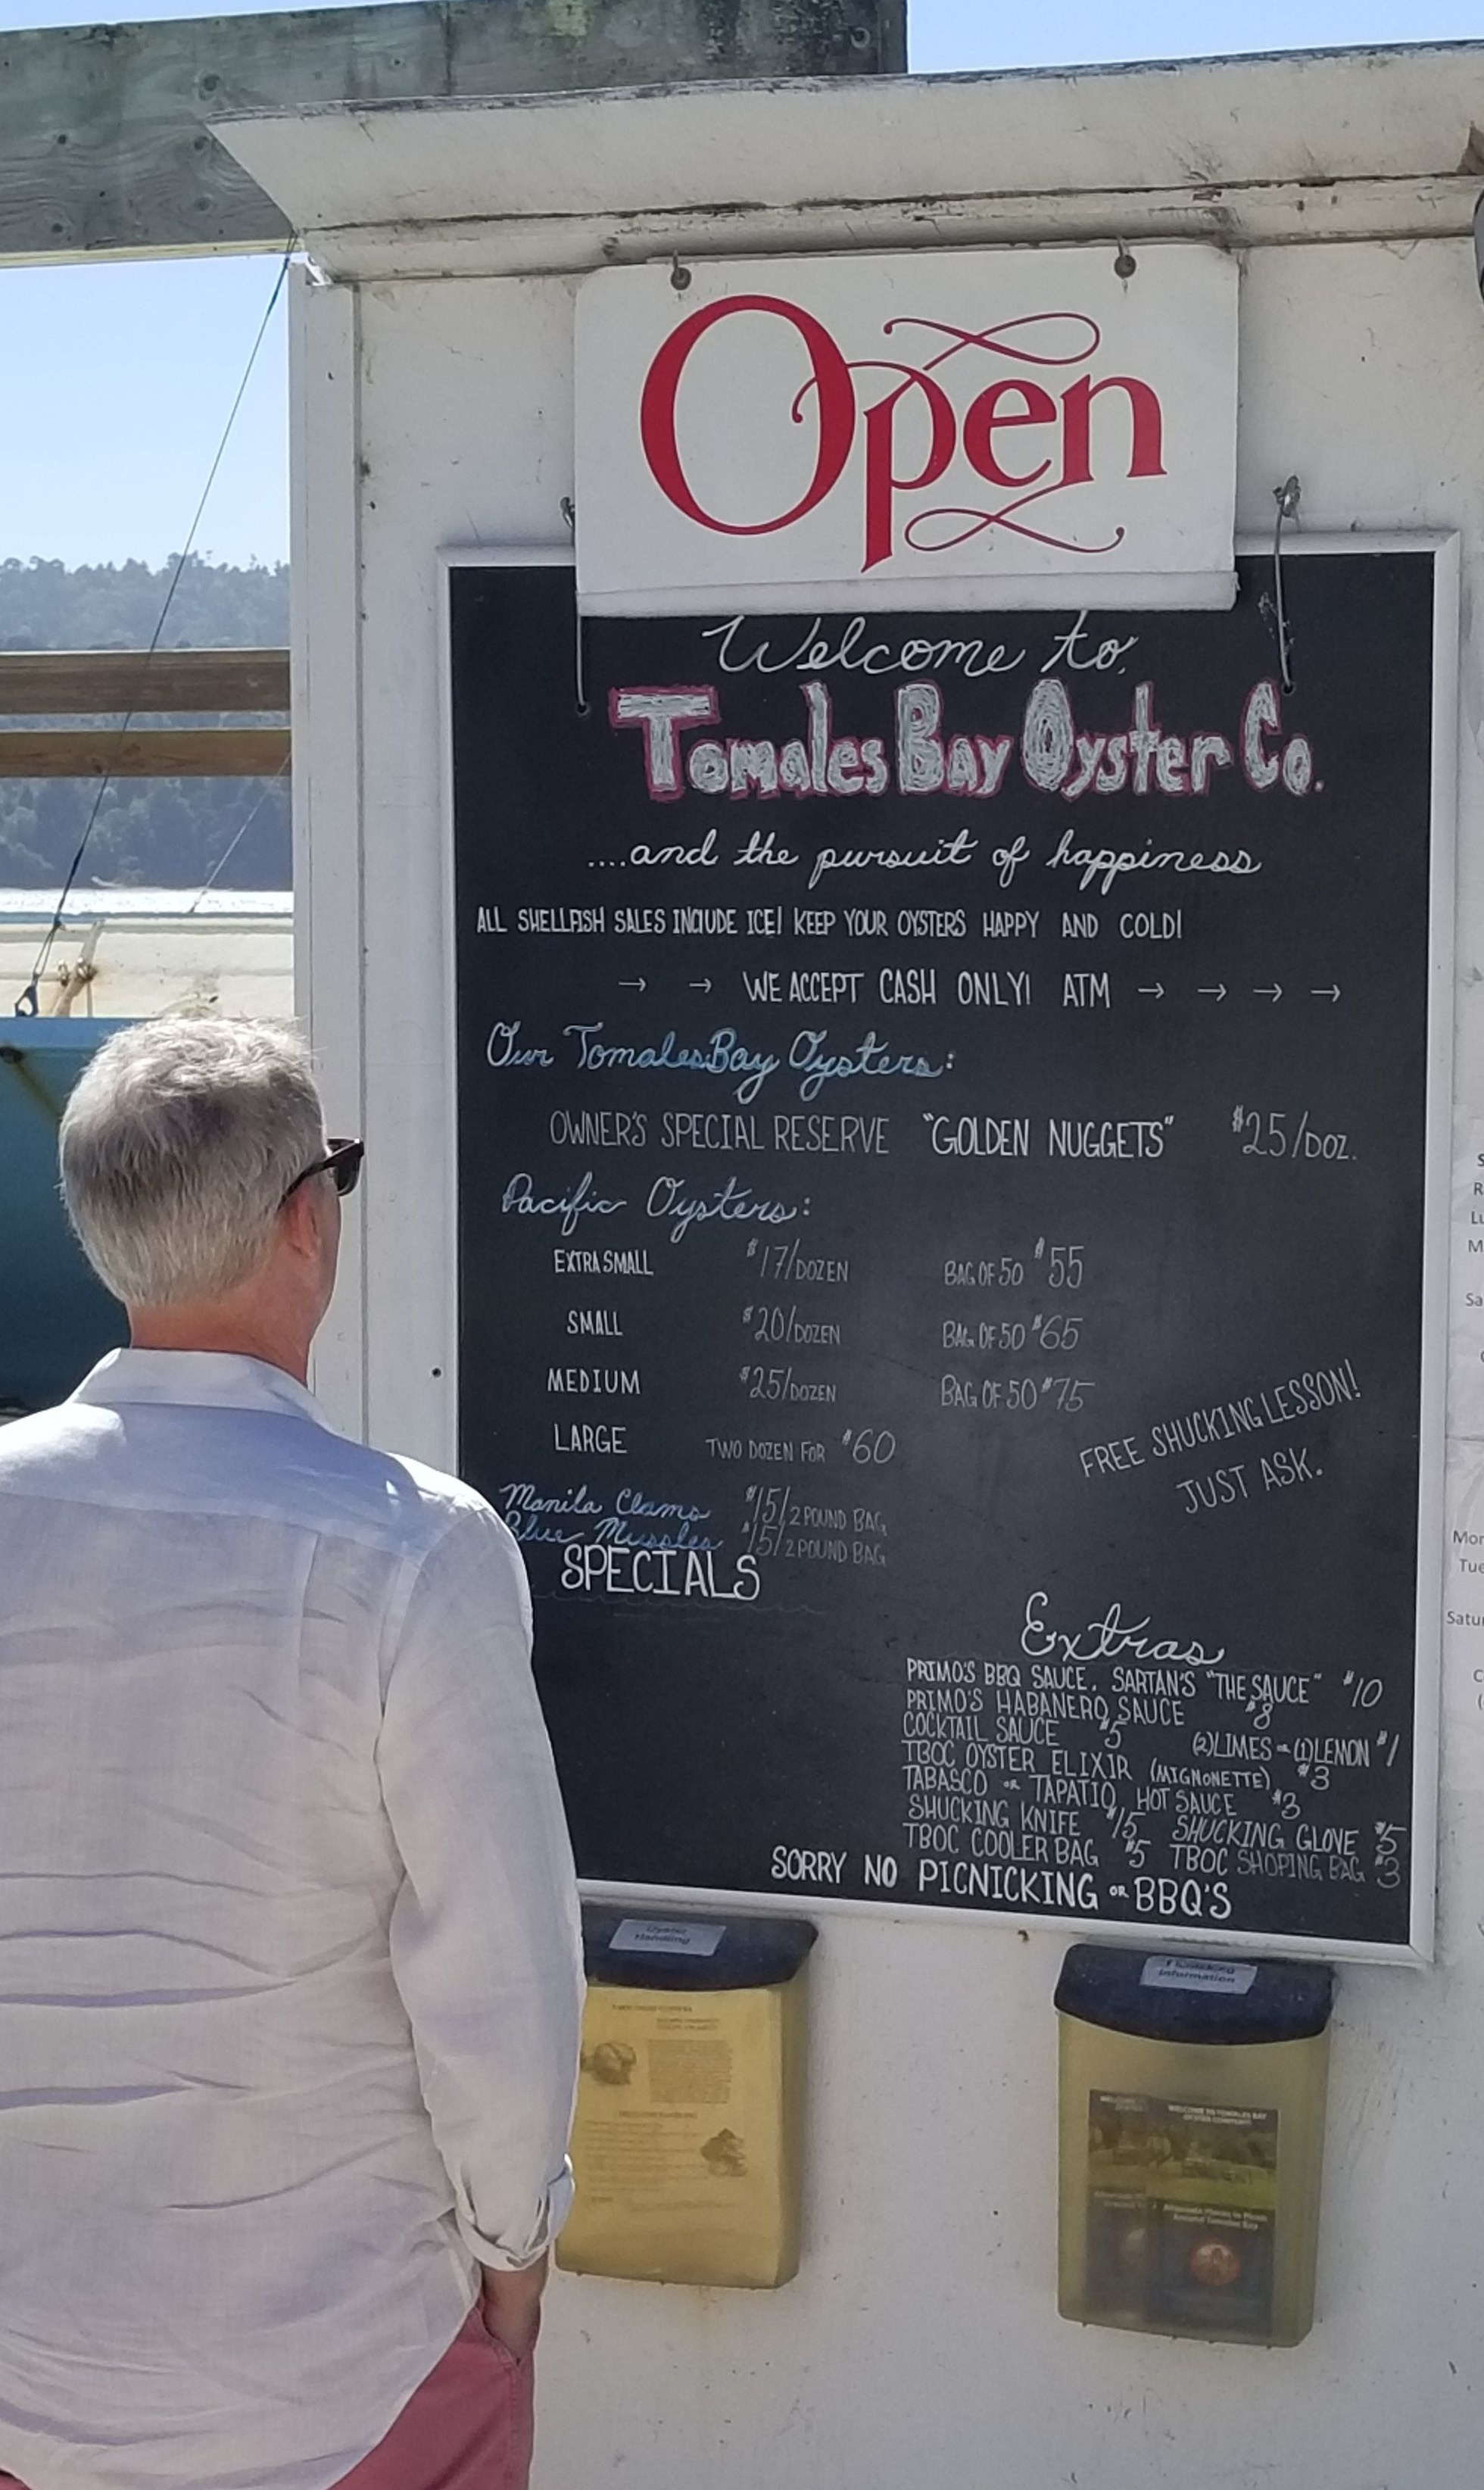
1283, 147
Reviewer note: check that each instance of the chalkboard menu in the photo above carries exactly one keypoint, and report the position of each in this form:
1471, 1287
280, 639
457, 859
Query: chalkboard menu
942, 1111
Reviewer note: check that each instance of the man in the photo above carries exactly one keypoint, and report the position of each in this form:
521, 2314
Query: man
289, 1958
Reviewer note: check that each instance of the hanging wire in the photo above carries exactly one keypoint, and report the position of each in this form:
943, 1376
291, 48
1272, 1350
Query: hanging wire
28, 1003
1287, 495
236, 841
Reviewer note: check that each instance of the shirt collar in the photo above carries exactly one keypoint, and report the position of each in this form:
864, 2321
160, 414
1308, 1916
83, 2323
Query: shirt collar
196, 1378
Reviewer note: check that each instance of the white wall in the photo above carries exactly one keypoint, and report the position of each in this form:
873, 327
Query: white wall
919, 2347
127, 955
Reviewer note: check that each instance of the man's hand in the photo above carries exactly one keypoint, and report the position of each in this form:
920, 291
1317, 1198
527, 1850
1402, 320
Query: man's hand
510, 2305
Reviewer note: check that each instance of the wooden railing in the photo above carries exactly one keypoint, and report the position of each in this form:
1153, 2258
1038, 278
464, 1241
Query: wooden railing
130, 683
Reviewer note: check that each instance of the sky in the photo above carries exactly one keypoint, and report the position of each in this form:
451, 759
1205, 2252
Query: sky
120, 377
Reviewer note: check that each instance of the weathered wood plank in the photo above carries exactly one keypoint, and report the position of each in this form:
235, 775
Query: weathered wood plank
97, 682
180, 752
102, 143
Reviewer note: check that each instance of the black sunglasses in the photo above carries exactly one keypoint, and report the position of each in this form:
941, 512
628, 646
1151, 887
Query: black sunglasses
342, 1160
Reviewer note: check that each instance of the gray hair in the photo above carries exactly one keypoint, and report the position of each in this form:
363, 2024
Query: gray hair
178, 1145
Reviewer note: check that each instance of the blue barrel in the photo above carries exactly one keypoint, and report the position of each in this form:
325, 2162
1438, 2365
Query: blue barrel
55, 1319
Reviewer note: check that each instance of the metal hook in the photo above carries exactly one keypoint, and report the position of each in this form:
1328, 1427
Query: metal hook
1287, 495
579, 679
569, 514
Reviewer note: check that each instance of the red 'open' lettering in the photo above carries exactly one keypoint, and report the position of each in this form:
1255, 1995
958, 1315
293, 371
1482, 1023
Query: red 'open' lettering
882, 481
987, 415
1146, 455
833, 386
913, 433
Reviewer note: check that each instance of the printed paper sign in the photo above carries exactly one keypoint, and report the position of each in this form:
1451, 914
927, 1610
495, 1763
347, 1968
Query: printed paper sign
1182, 2214
1465, 1323
952, 428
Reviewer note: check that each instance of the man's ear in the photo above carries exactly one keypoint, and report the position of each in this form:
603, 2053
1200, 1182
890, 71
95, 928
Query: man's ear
303, 1216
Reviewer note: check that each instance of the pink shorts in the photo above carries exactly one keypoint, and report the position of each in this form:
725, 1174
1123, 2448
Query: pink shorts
468, 2426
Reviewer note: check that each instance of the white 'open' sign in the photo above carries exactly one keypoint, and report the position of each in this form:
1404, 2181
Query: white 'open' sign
952, 428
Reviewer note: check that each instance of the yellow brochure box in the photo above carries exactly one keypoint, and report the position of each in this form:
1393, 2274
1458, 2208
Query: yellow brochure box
1192, 2132
687, 2143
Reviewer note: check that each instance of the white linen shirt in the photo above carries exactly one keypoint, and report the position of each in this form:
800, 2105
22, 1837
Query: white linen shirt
290, 1970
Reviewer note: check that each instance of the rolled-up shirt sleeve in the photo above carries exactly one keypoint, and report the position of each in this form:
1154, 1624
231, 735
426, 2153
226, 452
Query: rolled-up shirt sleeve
485, 1938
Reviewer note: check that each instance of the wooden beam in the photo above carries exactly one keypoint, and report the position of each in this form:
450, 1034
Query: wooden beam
103, 143
184, 752
98, 683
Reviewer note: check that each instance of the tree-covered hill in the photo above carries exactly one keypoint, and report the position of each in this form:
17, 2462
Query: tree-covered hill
169, 834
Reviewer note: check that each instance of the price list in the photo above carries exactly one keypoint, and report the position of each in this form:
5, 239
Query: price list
945, 1278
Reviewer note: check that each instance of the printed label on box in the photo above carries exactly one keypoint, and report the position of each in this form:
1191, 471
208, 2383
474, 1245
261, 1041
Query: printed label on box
1187, 1971
666, 1936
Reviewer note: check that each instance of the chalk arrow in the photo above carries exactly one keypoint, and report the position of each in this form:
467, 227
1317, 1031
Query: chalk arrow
635, 985
700, 985
1271, 994
1332, 992
1218, 991
1156, 991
